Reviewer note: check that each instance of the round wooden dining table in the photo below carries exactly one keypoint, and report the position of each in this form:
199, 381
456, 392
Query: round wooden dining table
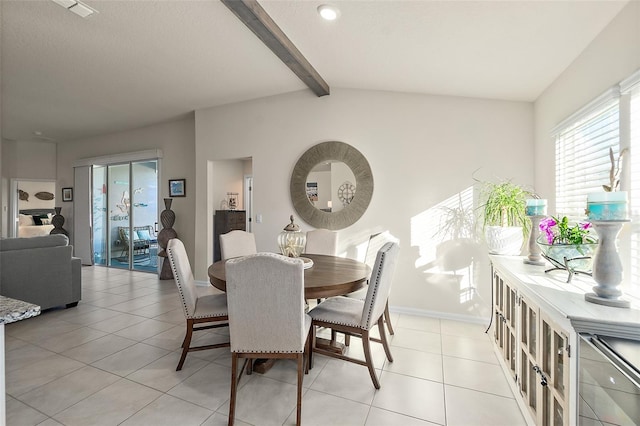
329, 276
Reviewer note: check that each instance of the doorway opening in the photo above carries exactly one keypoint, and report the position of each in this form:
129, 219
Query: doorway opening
124, 215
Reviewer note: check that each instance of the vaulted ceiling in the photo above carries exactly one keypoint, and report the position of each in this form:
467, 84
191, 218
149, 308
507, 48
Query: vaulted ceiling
137, 63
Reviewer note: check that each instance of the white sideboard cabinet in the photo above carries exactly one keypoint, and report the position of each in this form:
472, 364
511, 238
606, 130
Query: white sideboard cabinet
537, 320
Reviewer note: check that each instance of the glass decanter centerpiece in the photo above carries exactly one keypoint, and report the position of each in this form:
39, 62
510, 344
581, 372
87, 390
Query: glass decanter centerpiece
291, 240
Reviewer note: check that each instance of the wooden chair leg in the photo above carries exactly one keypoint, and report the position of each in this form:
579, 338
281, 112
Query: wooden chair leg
185, 344
309, 350
383, 337
234, 387
387, 318
300, 377
366, 346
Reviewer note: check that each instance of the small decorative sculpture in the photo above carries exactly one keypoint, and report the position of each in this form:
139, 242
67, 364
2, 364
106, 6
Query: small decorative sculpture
57, 221
167, 218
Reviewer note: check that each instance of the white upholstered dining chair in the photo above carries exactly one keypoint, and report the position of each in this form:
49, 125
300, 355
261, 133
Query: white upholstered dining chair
322, 241
376, 241
267, 319
237, 243
357, 317
201, 305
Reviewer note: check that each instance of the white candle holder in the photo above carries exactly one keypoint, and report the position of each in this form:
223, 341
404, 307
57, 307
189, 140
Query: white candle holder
535, 209
534, 257
607, 267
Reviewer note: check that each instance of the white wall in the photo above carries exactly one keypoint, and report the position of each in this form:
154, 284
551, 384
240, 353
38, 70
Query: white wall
422, 150
33, 187
611, 57
175, 139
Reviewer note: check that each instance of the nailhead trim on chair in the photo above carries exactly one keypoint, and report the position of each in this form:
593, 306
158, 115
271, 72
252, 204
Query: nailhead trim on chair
383, 255
184, 301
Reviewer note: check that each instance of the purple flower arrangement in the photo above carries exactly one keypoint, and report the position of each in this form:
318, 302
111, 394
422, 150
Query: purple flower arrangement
559, 231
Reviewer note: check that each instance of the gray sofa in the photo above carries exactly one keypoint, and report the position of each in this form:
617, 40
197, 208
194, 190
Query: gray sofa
40, 270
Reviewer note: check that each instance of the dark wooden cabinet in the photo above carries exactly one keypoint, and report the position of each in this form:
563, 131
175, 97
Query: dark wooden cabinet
223, 222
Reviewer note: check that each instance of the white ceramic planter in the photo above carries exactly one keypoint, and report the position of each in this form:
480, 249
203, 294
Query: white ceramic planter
505, 240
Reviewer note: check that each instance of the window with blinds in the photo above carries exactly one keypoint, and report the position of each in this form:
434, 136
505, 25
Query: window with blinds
631, 86
582, 153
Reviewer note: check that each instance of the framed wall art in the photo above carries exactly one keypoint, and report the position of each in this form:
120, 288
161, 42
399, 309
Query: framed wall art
177, 187
67, 194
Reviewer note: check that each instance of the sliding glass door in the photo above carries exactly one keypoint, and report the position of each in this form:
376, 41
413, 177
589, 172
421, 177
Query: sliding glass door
125, 211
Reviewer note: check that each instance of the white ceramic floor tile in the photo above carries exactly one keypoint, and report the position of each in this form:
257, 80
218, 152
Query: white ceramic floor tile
110, 406
109, 300
346, 380
378, 355
93, 316
419, 398
50, 422
62, 342
39, 373
170, 411
465, 407
286, 370
99, 348
130, 359
24, 356
162, 375
418, 340
114, 324
423, 365
19, 413
468, 348
156, 309
209, 387
13, 343
174, 316
218, 419
463, 329
475, 375
379, 417
144, 329
263, 401
62, 393
148, 323
420, 323
170, 340
316, 411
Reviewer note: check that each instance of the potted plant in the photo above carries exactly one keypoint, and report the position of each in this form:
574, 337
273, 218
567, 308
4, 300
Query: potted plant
505, 223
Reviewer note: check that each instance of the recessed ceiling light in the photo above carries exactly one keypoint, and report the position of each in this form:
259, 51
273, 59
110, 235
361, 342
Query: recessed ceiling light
328, 12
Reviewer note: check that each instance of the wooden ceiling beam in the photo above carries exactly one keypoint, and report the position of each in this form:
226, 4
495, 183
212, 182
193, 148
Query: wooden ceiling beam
256, 18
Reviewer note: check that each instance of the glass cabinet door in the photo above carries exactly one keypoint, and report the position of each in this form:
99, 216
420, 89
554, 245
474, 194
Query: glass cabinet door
529, 369
555, 366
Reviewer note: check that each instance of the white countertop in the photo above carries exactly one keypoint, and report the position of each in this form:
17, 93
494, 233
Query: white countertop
12, 310
567, 299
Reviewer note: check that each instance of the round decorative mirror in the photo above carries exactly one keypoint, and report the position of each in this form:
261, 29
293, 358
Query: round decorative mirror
331, 185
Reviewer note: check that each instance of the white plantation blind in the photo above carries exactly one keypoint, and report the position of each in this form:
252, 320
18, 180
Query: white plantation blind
632, 87
582, 153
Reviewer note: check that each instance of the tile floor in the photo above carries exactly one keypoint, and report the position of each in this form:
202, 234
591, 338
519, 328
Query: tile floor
111, 361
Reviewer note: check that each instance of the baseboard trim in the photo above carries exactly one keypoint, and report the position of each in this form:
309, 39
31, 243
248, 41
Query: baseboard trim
438, 314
